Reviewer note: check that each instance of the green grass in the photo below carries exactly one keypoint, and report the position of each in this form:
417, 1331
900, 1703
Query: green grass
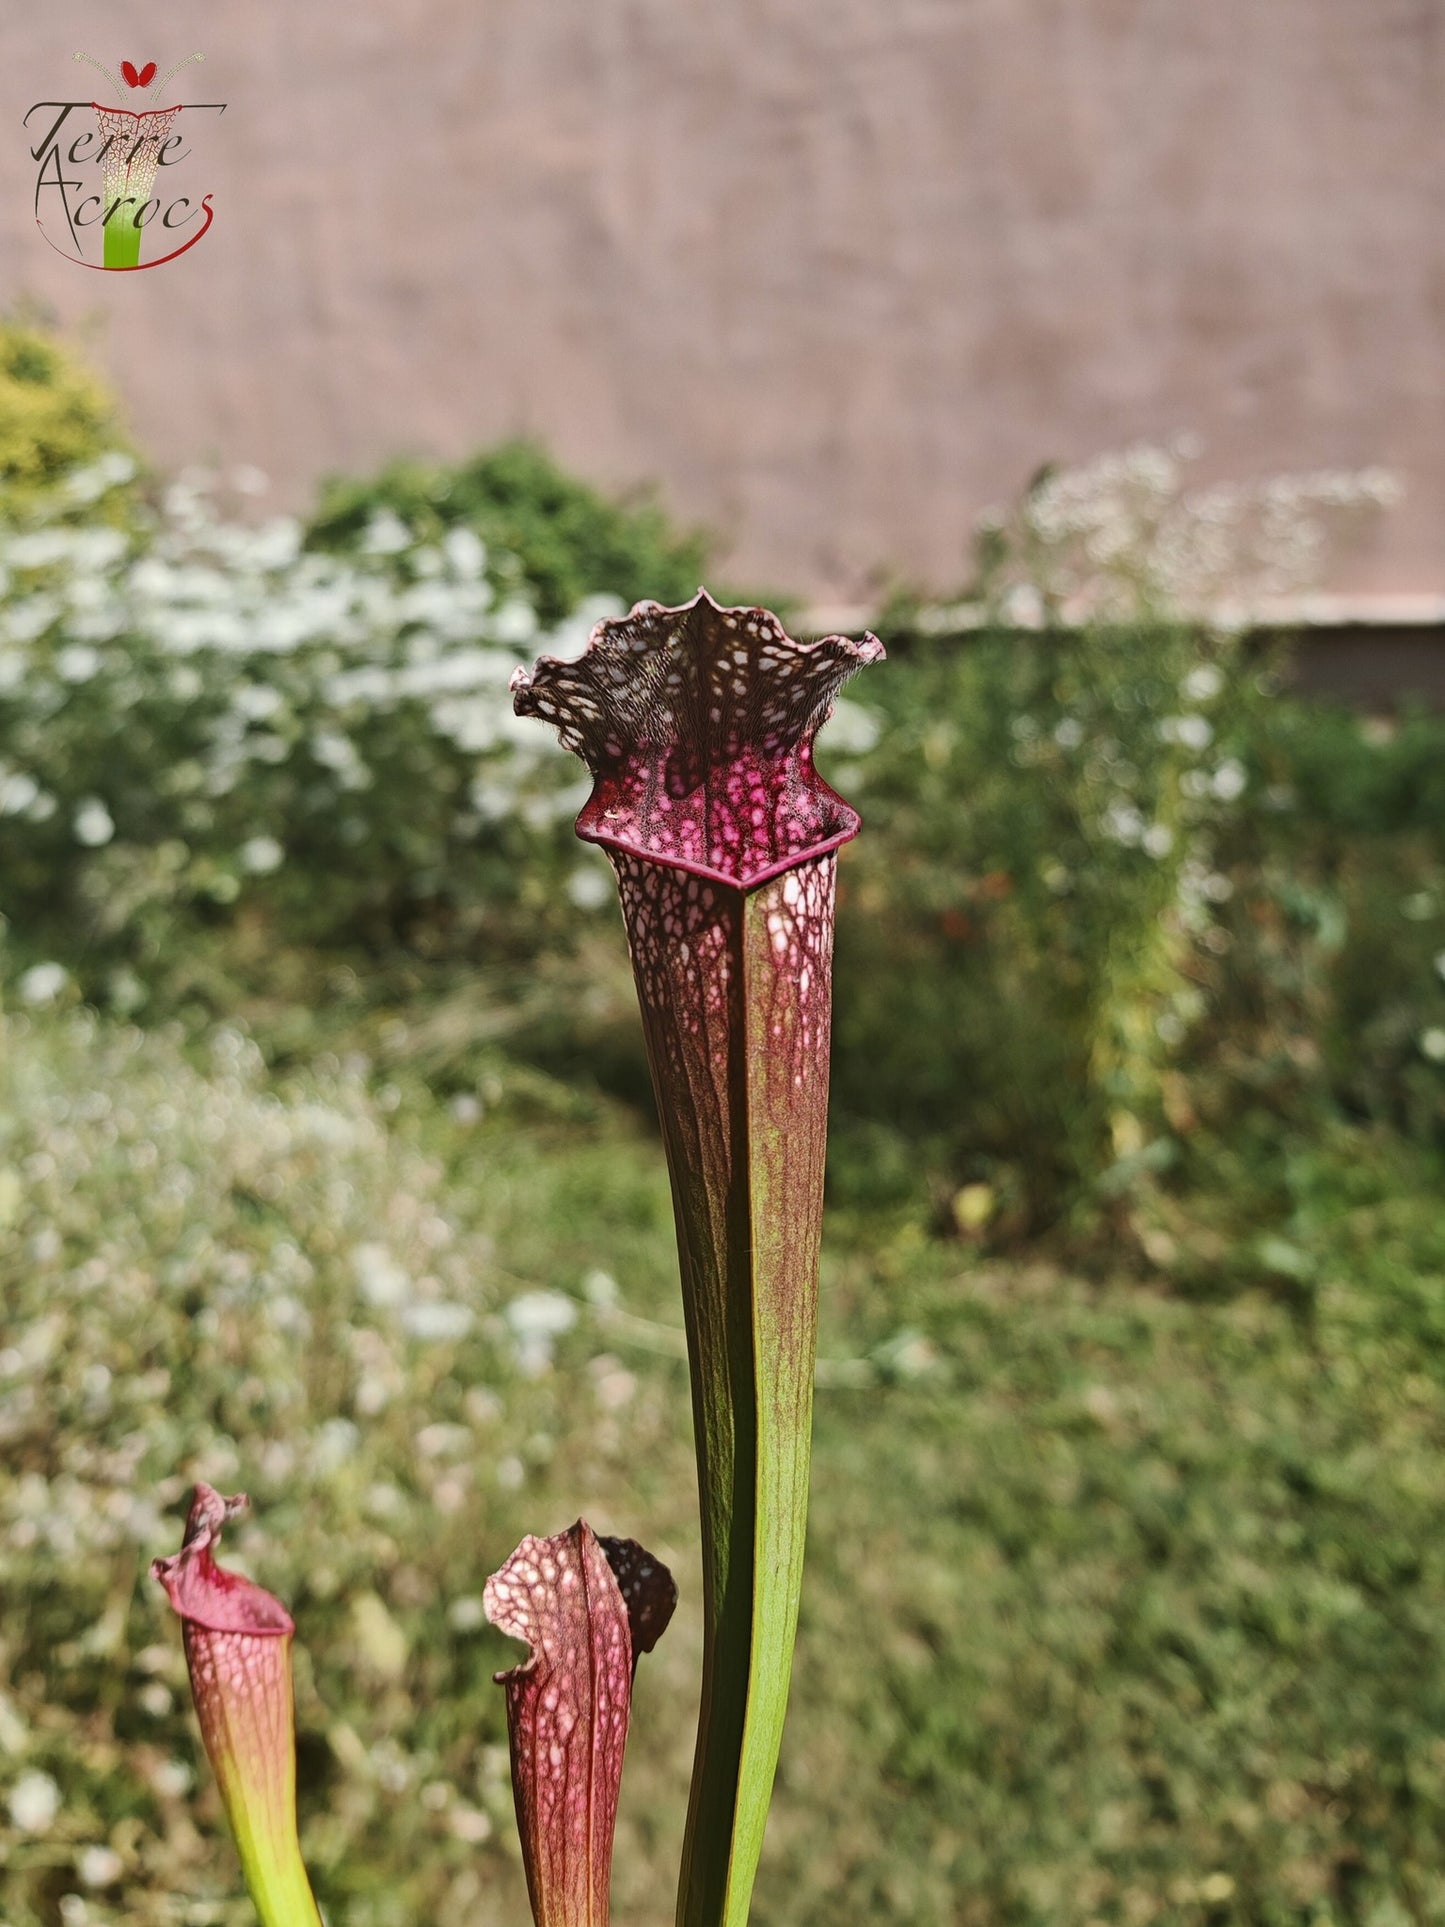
1126, 1598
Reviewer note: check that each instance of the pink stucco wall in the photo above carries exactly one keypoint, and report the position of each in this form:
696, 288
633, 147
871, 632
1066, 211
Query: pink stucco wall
836, 274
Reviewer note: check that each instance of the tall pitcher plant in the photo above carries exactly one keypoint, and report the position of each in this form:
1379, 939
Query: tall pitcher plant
697, 724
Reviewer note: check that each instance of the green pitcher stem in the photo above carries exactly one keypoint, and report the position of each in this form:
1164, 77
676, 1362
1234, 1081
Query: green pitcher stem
277, 1882
741, 1068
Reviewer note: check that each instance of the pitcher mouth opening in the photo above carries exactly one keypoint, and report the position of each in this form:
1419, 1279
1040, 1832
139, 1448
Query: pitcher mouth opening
697, 723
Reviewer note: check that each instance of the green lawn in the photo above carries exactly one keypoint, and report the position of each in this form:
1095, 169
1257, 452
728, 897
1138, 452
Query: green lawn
1123, 1604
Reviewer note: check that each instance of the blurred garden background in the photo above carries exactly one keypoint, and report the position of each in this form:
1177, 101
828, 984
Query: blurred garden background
327, 1170
328, 1167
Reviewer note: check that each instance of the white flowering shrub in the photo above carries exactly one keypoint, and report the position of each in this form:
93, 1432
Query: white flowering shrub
202, 712
1127, 534
1065, 762
209, 1268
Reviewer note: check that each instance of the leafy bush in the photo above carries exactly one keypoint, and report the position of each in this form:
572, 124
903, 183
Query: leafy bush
1040, 877
1335, 981
552, 535
56, 421
1126, 891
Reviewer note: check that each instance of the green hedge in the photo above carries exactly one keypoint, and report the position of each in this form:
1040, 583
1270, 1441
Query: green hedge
563, 540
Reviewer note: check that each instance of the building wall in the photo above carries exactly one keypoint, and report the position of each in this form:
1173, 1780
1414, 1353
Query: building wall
836, 275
